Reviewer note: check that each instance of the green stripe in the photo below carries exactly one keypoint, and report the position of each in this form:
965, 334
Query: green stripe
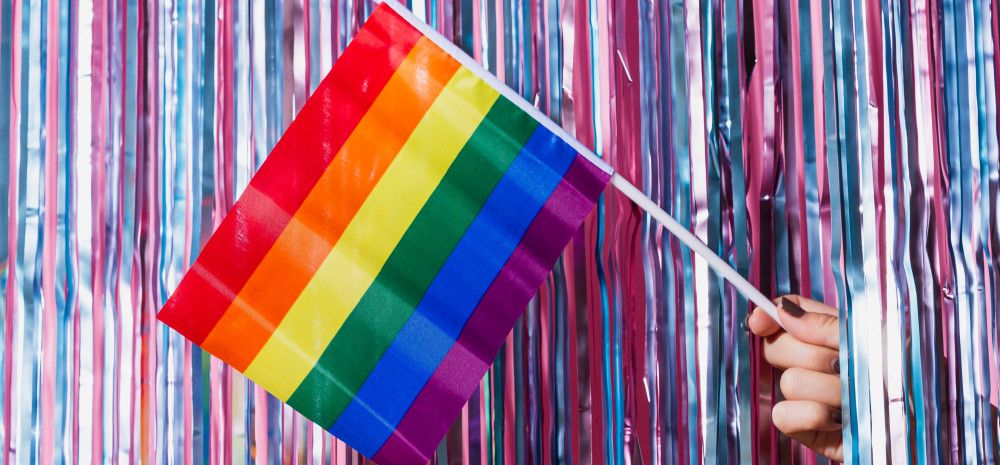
413, 264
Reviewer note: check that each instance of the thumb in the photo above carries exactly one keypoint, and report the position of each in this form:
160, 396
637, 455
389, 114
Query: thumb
810, 327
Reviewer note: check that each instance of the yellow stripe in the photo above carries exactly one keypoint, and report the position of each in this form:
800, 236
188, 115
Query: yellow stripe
359, 255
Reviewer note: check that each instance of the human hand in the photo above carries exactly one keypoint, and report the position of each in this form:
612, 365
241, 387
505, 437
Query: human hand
808, 352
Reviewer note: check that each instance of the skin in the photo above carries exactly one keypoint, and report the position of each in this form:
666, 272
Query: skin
807, 351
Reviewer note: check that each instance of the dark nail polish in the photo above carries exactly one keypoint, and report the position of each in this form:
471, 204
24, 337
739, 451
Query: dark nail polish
790, 308
746, 321
837, 416
836, 366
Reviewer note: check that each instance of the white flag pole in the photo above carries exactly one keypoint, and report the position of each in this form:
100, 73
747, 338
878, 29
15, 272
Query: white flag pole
716, 263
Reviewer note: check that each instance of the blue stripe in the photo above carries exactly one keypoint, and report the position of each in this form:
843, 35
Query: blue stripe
432, 329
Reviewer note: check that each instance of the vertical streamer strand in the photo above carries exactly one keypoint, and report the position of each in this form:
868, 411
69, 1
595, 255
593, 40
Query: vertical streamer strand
846, 150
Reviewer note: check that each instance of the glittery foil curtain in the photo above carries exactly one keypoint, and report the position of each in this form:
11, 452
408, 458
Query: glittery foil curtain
841, 149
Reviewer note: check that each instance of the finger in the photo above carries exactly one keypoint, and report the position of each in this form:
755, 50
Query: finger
801, 416
802, 384
785, 351
761, 324
811, 327
830, 444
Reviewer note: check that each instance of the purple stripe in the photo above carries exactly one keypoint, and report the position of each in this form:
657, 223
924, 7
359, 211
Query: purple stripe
459, 374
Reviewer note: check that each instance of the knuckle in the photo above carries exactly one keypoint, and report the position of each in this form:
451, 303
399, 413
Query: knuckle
813, 417
780, 416
819, 329
816, 358
831, 324
790, 381
831, 330
794, 417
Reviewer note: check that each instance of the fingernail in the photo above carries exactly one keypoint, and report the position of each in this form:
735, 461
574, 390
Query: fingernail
836, 365
790, 308
746, 321
837, 416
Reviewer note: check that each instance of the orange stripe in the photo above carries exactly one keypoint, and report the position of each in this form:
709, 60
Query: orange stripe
330, 206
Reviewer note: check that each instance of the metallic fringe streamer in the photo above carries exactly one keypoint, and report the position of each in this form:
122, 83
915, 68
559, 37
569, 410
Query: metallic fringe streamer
846, 150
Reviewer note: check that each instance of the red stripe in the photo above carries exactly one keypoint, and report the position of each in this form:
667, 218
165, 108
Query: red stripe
288, 175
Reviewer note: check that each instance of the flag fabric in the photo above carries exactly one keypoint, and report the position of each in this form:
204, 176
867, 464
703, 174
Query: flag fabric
376, 262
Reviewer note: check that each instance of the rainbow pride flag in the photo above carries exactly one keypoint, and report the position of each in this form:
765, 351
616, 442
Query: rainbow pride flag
380, 256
